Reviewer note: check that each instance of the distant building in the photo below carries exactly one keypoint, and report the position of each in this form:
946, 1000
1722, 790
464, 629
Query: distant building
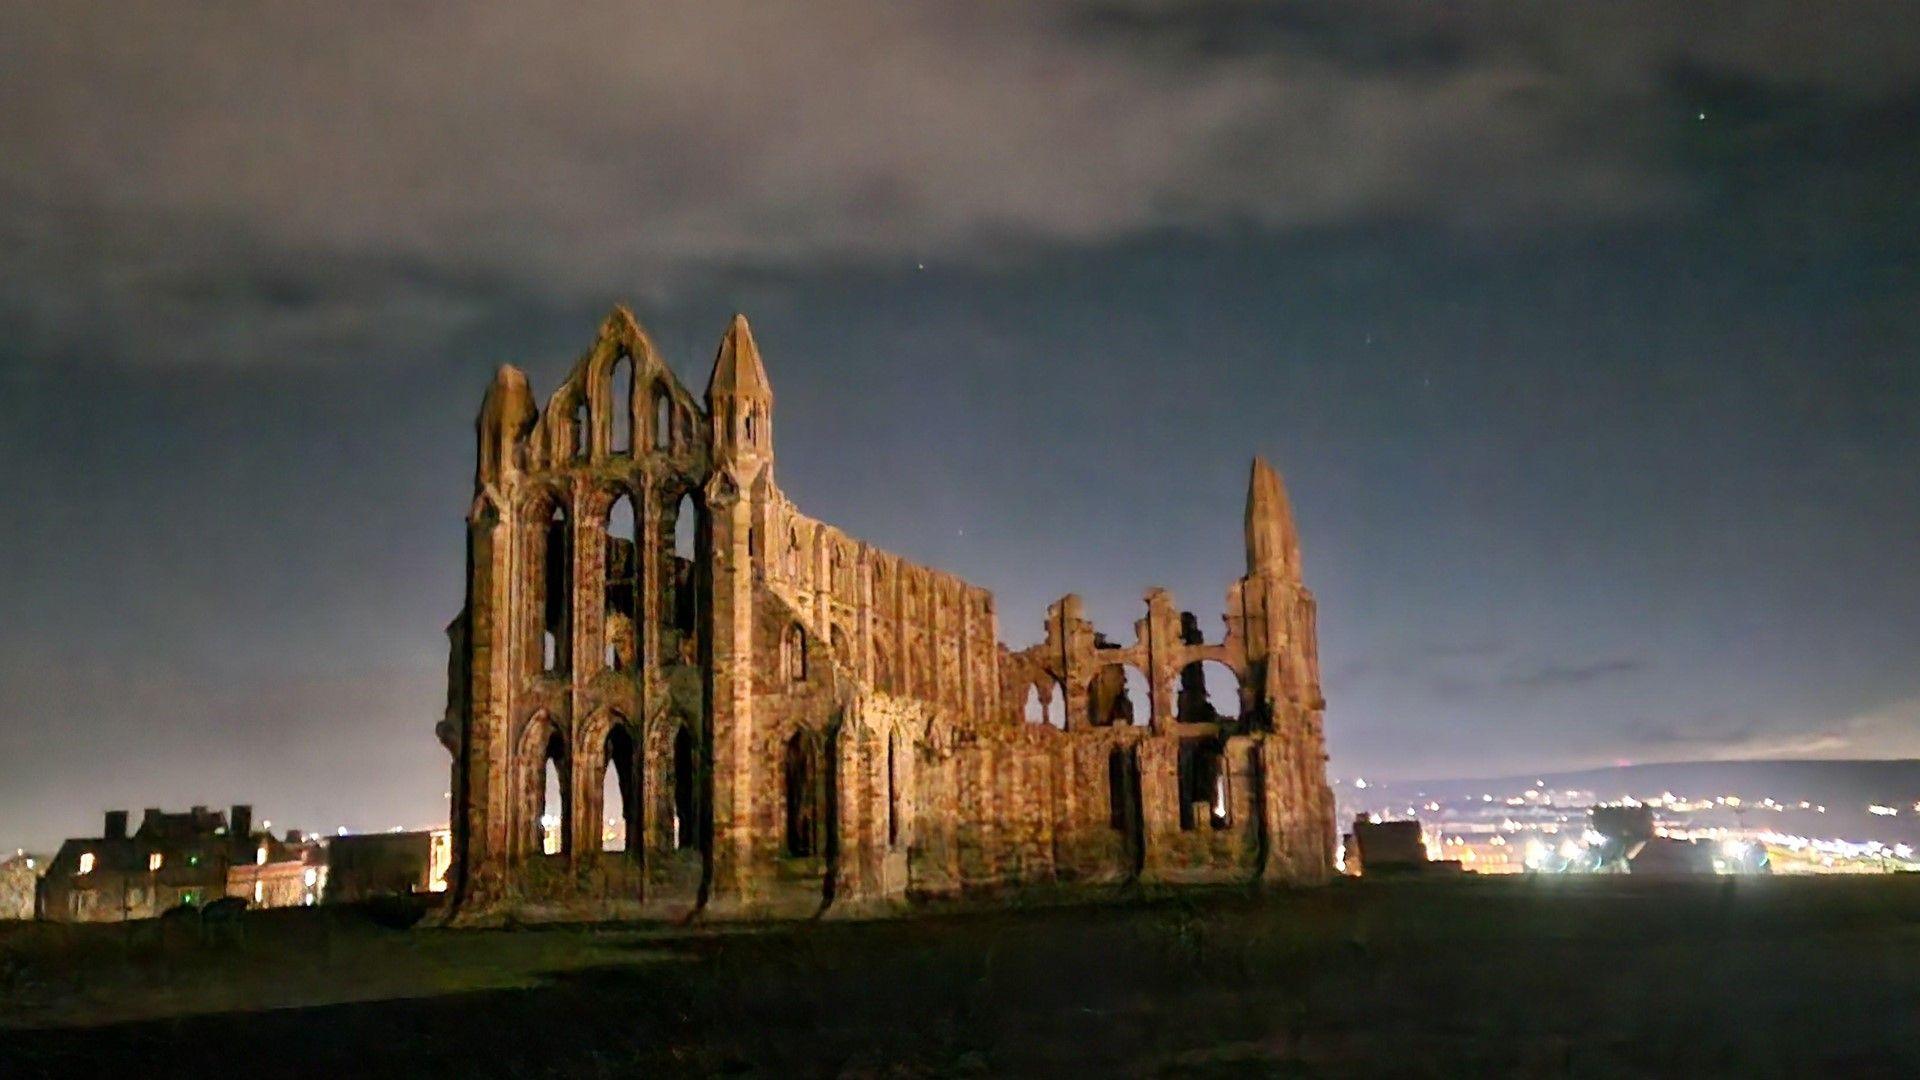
19, 883
1382, 847
172, 859
1662, 856
292, 873
361, 866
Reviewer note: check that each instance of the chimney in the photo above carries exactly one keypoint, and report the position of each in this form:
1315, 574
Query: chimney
295, 836
116, 825
150, 818
240, 822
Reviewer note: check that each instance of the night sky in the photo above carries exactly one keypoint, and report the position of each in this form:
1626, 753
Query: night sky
1585, 338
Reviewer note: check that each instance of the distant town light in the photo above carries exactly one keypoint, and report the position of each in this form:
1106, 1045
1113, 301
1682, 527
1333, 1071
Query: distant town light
1883, 811
260, 855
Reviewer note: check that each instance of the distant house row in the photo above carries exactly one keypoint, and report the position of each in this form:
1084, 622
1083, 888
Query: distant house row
194, 858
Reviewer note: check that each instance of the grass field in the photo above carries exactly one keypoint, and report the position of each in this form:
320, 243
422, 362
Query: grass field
1517, 976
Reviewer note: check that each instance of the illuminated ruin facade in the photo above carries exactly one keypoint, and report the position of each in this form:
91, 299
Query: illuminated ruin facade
720, 705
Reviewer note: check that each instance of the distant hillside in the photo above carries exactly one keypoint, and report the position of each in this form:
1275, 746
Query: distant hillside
1845, 788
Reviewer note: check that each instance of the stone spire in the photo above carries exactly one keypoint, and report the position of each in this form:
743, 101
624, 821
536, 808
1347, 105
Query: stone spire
505, 416
1273, 547
740, 400
737, 370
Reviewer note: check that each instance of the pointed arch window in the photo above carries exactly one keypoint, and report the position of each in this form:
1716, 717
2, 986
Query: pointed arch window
801, 772
551, 825
556, 587
619, 792
620, 386
794, 653
662, 417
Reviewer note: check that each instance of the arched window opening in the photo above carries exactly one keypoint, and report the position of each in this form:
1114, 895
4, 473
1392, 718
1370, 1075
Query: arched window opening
622, 586
794, 653
686, 524
683, 610
750, 428
582, 432
619, 800
1108, 701
553, 799
793, 554
753, 541
557, 586
893, 789
684, 825
1057, 705
621, 386
662, 418
1203, 784
1033, 712
802, 781
1140, 695
1209, 693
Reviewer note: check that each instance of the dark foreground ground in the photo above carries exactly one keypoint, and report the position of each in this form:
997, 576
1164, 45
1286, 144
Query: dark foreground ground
1547, 976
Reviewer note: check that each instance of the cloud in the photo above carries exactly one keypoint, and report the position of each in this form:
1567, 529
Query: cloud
232, 183
1889, 730
1554, 676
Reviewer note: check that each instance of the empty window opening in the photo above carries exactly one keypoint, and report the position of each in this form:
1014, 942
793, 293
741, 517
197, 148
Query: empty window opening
1056, 705
1203, 784
623, 586
618, 795
683, 820
1139, 696
662, 418
1209, 693
801, 773
750, 431
621, 386
553, 800
1108, 699
686, 524
893, 789
1033, 712
793, 554
1123, 784
582, 432
557, 586
794, 653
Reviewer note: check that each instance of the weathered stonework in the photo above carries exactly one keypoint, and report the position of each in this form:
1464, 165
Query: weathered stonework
784, 721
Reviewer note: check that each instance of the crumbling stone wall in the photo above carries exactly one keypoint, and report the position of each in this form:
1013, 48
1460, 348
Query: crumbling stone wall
782, 720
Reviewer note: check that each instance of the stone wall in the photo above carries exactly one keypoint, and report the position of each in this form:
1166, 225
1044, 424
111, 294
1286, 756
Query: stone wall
783, 720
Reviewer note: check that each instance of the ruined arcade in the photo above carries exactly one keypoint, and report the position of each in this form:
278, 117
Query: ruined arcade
672, 692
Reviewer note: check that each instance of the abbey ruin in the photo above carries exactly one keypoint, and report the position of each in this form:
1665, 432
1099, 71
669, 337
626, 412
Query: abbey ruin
672, 692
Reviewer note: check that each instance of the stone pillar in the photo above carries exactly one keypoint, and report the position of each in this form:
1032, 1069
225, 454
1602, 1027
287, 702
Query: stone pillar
730, 701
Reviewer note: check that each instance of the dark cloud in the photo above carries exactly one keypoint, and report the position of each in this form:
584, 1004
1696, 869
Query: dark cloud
310, 172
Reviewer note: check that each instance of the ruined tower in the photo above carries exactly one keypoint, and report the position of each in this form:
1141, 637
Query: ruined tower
670, 691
